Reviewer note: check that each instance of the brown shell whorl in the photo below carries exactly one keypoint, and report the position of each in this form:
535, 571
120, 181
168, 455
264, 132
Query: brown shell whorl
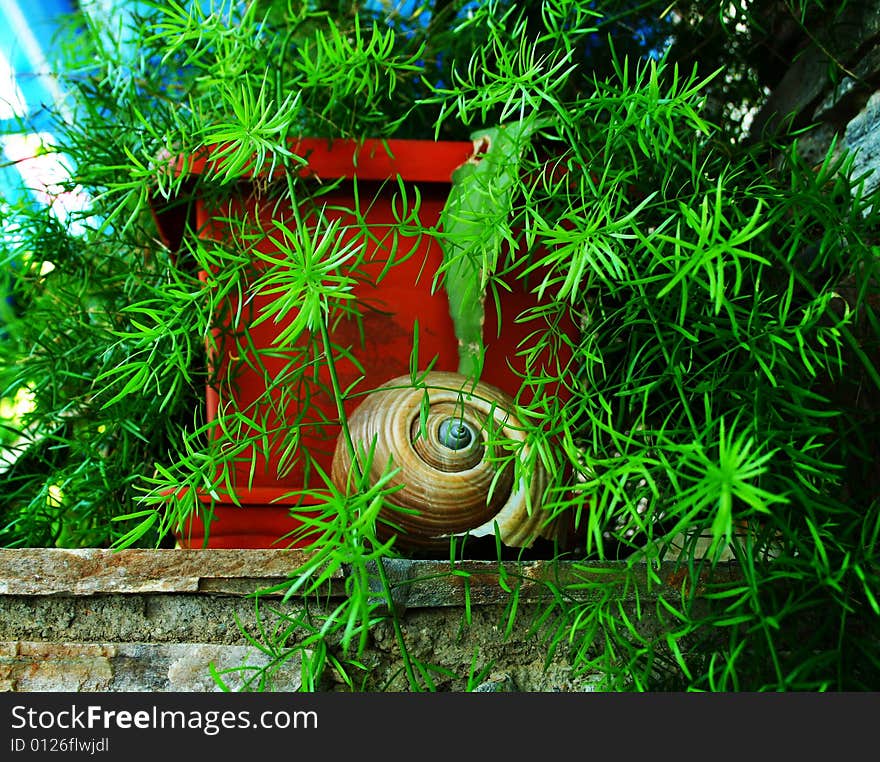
454, 473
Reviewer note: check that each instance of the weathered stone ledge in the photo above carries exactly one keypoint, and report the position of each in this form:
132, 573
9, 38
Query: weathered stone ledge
417, 583
161, 620
92, 571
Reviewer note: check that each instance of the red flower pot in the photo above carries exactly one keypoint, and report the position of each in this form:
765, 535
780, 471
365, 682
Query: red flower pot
294, 427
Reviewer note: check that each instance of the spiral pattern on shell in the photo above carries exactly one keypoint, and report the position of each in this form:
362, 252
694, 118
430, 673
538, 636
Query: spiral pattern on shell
453, 443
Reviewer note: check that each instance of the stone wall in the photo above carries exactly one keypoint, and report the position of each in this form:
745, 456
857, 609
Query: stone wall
139, 620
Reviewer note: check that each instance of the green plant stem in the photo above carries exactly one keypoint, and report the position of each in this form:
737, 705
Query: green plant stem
474, 220
386, 586
338, 395
395, 623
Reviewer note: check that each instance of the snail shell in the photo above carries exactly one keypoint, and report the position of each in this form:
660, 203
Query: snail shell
453, 445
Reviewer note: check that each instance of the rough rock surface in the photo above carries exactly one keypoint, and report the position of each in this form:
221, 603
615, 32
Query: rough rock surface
162, 620
105, 667
862, 135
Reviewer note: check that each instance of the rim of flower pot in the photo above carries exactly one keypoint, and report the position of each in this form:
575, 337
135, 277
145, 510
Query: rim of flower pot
365, 159
369, 159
